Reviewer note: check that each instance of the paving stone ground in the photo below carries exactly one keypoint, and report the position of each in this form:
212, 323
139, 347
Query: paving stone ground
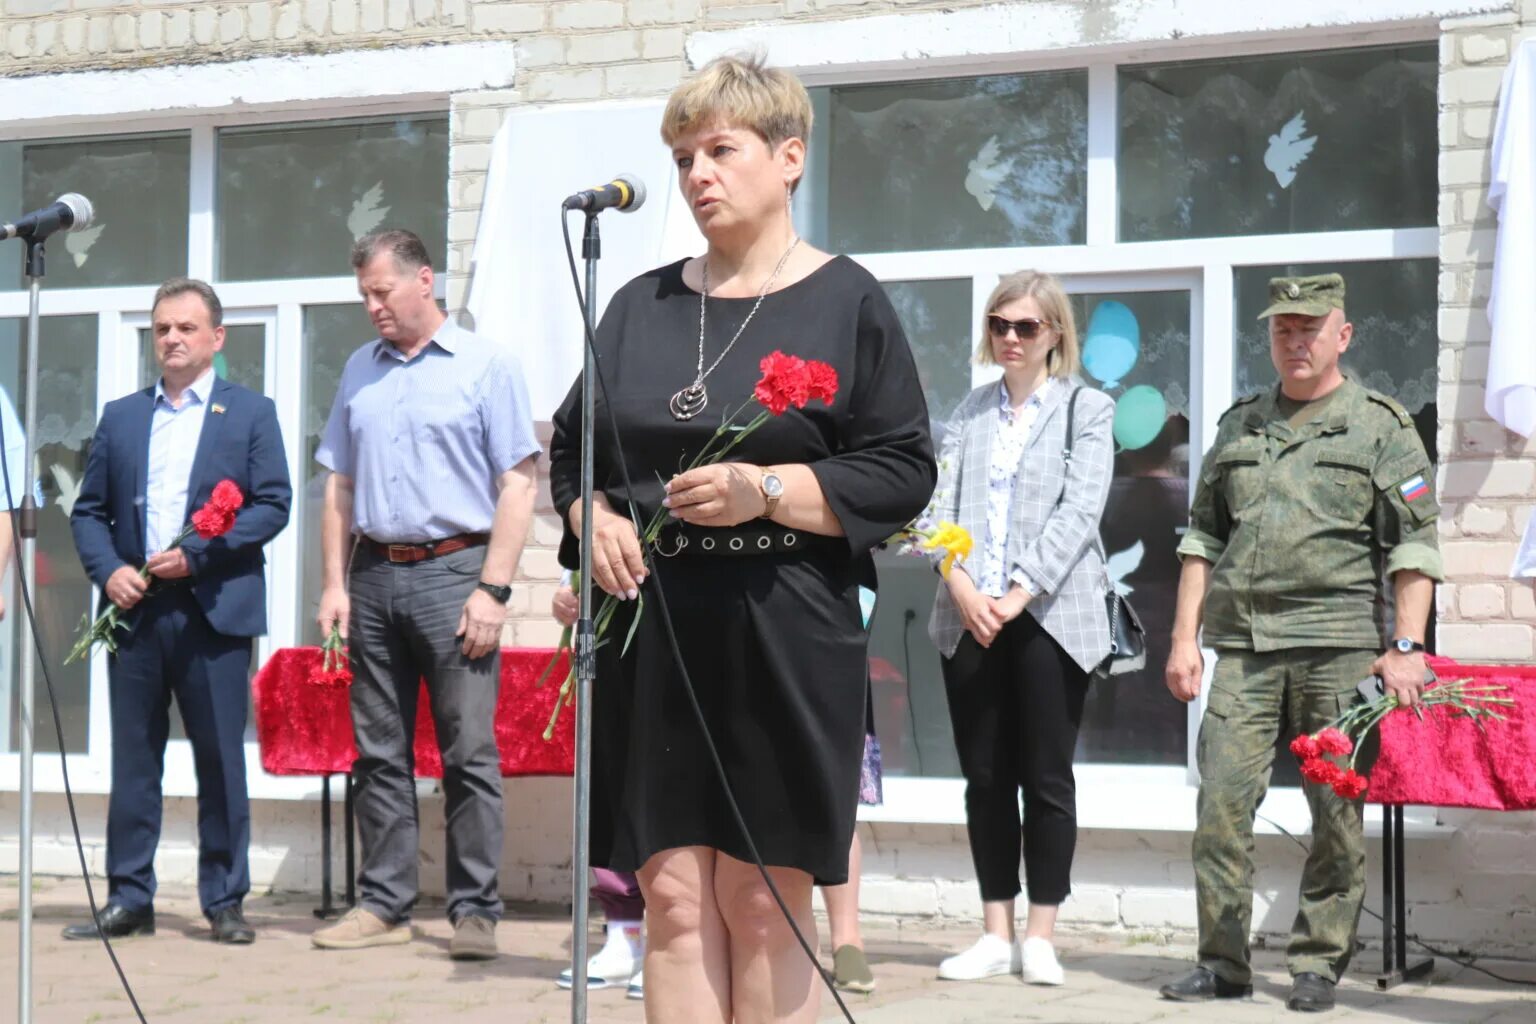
180, 977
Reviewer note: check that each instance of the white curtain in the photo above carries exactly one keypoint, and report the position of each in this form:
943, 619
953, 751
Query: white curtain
520, 289
1511, 395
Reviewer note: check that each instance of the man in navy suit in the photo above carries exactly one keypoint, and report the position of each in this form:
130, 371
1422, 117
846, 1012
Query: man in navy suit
155, 459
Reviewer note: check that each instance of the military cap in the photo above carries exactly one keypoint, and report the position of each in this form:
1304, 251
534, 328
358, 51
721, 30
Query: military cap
1305, 296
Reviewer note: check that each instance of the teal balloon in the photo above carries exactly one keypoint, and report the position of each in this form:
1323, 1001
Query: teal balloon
220, 366
1113, 343
1139, 416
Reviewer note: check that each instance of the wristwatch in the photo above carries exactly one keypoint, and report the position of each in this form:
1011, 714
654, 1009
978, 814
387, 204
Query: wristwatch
501, 593
773, 489
1406, 646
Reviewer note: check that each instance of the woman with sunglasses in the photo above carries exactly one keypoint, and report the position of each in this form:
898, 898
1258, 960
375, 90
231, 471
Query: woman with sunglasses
1021, 621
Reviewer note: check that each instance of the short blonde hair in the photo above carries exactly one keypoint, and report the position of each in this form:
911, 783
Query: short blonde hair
743, 91
1065, 359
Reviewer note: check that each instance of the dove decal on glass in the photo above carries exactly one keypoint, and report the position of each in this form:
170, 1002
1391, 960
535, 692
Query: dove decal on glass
1121, 564
1288, 150
984, 174
367, 212
78, 243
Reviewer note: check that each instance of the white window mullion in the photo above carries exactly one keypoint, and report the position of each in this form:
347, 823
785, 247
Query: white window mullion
1103, 137
201, 232
285, 347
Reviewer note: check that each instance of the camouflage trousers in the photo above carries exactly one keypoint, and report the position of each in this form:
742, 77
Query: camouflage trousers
1253, 698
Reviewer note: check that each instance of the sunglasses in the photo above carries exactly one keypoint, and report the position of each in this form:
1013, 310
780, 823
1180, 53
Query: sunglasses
1025, 329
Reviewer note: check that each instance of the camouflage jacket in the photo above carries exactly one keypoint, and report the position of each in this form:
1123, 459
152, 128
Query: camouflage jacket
1301, 525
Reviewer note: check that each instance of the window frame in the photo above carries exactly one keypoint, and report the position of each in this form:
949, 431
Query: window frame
277, 304
1127, 796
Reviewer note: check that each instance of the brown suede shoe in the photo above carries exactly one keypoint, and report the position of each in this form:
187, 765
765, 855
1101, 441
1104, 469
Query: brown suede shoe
474, 938
850, 970
360, 929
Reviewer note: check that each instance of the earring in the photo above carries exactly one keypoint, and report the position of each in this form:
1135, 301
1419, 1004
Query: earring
789, 202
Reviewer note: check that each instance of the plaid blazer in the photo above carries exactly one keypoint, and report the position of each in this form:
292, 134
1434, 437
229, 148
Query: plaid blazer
1058, 546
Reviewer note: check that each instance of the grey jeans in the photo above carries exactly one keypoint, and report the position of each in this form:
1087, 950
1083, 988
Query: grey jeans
402, 631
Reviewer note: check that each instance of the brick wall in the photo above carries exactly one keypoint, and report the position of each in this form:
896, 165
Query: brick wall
1487, 474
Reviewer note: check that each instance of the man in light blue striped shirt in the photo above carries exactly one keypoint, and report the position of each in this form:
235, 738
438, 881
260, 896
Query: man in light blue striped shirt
432, 457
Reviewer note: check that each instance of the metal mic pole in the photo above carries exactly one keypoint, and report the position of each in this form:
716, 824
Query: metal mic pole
25, 562
586, 642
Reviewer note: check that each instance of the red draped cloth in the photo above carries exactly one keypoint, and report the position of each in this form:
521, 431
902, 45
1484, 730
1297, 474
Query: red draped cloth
306, 729
1445, 760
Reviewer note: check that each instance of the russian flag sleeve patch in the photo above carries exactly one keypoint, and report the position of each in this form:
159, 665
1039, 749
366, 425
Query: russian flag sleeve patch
1414, 488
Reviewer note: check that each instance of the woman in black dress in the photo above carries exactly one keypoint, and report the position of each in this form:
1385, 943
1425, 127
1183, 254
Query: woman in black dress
761, 562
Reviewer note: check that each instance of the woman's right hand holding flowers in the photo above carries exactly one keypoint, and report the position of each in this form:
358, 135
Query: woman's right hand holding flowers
618, 565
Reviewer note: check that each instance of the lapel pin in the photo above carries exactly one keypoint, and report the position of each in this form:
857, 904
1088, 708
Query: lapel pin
217, 407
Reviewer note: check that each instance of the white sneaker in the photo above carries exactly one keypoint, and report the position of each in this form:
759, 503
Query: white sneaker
990, 957
637, 986
614, 964
1039, 963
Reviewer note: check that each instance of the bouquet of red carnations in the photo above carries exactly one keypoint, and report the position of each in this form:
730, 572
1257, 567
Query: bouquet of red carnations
1342, 737
335, 665
212, 520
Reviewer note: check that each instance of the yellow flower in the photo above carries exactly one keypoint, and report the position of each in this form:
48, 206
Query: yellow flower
954, 540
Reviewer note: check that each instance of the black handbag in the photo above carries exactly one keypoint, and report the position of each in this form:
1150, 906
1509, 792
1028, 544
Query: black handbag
1127, 639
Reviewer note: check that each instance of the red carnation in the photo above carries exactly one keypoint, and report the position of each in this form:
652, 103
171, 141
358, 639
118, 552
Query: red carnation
1324, 773
1306, 747
1350, 785
1334, 742
823, 380
210, 521
786, 382
227, 496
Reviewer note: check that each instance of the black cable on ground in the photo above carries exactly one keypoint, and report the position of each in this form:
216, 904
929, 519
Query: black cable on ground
677, 654
1469, 963
53, 704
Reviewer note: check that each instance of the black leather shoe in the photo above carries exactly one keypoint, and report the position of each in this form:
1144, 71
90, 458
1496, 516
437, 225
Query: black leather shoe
229, 925
1310, 993
1202, 985
117, 921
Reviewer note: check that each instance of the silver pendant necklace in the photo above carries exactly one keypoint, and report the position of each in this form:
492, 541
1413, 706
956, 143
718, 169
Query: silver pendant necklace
691, 400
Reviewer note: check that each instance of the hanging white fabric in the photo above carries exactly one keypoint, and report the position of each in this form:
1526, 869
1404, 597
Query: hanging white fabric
520, 287
1511, 392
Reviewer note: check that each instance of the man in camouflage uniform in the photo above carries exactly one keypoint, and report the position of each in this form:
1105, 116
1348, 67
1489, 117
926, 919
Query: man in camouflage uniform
1314, 490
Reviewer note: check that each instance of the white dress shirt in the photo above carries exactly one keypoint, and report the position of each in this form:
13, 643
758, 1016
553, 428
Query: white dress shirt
173, 436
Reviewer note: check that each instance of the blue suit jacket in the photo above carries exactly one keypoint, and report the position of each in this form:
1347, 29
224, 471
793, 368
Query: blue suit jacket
240, 442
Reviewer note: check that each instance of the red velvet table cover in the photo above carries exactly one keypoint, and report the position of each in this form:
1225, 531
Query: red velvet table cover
305, 729
1444, 760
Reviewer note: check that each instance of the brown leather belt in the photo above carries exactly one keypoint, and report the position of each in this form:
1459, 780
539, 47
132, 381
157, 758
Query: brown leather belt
422, 552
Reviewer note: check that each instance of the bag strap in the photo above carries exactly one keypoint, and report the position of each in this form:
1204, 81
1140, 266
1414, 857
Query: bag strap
1066, 453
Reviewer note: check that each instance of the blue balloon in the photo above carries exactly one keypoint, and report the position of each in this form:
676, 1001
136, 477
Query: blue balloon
1139, 416
1113, 343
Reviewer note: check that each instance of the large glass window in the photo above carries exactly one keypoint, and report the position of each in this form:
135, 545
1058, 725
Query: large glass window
956, 163
1136, 347
138, 186
66, 399
331, 334
1327, 141
292, 200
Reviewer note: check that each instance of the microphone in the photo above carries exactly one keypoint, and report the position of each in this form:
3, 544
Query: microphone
625, 193
69, 211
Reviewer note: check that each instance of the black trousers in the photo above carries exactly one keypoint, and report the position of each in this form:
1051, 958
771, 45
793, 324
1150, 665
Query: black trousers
1016, 708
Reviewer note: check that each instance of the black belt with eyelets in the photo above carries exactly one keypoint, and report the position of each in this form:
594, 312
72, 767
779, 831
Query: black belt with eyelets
737, 540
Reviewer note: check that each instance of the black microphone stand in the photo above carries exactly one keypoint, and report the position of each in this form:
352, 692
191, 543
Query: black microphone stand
25, 562
585, 645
